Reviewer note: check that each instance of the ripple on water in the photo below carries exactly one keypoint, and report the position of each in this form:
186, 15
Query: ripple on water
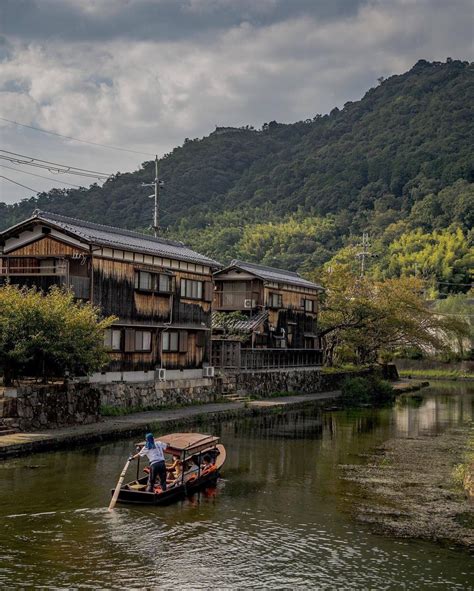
262, 530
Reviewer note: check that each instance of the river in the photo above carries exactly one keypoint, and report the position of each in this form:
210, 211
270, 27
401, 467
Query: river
280, 518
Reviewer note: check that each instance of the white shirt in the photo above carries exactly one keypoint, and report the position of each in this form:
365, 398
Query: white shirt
155, 454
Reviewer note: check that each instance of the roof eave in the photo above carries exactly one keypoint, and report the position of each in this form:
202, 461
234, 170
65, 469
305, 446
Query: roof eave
37, 218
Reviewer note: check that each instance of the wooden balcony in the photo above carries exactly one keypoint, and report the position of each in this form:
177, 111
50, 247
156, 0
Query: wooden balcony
228, 301
45, 276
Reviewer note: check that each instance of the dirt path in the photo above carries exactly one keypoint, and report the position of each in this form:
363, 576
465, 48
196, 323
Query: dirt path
408, 490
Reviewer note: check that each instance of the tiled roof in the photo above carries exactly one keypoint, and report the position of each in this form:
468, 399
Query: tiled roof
241, 325
112, 237
273, 274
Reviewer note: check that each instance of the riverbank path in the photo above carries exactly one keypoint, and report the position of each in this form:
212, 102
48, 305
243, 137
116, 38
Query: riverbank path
127, 425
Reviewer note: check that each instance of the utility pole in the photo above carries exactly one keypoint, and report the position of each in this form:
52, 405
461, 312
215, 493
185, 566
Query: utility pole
365, 252
156, 196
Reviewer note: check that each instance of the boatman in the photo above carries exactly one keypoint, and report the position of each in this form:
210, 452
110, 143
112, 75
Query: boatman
154, 451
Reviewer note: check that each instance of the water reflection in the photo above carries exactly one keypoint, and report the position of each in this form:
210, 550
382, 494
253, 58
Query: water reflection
277, 518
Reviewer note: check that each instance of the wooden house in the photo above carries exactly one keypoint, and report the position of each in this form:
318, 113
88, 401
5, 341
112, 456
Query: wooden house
278, 309
160, 290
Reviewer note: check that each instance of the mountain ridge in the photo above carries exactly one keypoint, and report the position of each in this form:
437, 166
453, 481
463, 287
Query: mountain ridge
377, 163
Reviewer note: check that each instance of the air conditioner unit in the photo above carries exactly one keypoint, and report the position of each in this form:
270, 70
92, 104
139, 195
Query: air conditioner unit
208, 372
249, 303
160, 373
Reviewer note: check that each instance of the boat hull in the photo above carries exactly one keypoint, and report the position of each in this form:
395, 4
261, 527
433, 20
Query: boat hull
169, 496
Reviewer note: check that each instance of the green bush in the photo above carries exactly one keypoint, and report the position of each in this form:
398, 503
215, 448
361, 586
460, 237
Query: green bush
47, 335
369, 390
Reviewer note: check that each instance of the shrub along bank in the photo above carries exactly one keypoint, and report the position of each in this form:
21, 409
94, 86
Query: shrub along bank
367, 390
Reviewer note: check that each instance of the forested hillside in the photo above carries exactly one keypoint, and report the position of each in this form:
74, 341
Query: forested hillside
398, 163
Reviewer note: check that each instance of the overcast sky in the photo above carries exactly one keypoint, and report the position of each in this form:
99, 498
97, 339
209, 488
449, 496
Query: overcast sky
145, 74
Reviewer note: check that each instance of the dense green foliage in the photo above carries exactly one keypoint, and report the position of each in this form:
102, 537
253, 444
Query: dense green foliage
366, 390
363, 320
49, 335
397, 163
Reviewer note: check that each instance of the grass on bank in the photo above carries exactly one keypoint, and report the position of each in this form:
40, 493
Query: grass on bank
447, 374
463, 474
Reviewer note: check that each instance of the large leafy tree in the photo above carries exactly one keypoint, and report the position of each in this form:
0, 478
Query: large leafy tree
47, 335
368, 319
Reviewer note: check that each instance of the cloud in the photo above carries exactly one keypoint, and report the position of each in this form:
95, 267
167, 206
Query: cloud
80, 20
261, 61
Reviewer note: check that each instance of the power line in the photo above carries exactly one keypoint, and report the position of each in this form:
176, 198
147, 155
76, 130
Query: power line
53, 167
453, 283
19, 184
48, 178
75, 139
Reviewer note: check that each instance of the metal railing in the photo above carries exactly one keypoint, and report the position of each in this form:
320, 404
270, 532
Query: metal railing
279, 358
236, 300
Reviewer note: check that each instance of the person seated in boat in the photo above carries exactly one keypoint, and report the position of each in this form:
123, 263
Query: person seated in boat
176, 476
206, 462
171, 468
154, 451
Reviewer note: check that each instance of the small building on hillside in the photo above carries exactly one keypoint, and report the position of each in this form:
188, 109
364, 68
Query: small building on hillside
277, 312
160, 290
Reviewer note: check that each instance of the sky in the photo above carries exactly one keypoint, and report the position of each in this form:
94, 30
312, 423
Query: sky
143, 75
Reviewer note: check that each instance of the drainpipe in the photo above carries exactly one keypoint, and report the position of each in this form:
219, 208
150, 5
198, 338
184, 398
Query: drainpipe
167, 327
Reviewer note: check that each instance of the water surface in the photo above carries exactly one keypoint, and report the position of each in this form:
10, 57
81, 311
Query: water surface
279, 518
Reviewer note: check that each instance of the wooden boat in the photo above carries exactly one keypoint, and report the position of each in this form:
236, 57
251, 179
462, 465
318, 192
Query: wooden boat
191, 449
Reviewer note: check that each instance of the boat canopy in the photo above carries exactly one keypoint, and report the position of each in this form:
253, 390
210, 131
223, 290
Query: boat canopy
187, 443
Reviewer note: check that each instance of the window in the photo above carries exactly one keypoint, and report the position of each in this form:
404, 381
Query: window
164, 283
146, 281
137, 340
174, 341
170, 341
308, 305
191, 289
275, 300
142, 340
112, 339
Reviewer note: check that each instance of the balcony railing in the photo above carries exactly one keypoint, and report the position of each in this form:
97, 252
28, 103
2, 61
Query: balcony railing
236, 300
44, 271
227, 354
47, 276
279, 358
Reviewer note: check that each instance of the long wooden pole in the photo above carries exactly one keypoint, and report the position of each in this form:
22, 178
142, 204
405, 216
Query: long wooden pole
119, 484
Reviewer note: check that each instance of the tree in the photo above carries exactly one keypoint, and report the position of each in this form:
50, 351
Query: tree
45, 336
372, 318
444, 256
459, 306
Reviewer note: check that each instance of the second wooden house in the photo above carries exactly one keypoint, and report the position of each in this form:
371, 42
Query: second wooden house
276, 310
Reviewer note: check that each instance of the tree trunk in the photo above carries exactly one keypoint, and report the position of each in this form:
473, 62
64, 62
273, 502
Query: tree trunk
7, 376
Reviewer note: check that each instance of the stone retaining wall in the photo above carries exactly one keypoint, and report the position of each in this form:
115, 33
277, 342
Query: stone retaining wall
300, 381
461, 366
38, 406
151, 395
